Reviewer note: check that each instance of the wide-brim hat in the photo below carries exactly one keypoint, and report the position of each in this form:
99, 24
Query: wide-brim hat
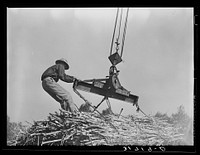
64, 61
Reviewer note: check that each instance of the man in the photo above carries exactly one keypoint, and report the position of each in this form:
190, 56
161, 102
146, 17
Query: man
49, 83
113, 76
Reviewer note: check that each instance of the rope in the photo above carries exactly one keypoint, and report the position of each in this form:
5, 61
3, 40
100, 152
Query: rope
117, 39
124, 33
120, 23
114, 31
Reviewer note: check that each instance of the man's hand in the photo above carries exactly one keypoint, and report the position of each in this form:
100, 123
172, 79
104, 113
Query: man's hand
76, 79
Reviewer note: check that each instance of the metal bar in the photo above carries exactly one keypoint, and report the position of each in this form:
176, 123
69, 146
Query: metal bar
99, 103
120, 112
109, 105
92, 80
104, 92
80, 95
93, 107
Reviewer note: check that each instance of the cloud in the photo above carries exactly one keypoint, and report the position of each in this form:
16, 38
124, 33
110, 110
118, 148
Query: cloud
62, 14
28, 16
96, 20
139, 15
95, 15
104, 18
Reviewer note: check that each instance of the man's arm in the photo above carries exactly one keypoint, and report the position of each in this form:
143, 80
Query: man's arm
62, 76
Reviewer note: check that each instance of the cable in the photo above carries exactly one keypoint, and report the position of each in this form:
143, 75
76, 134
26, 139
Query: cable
120, 23
124, 33
114, 31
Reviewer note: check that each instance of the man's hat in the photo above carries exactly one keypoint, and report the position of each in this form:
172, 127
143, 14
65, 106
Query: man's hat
62, 60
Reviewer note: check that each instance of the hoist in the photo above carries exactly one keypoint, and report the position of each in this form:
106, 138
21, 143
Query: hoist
110, 87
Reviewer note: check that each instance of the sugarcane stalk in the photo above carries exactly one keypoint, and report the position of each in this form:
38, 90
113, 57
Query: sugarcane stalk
52, 141
97, 131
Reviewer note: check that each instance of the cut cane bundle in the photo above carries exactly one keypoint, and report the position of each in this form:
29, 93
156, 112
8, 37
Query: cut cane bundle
91, 129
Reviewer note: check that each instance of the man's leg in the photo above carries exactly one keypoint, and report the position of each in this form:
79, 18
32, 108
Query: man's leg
59, 94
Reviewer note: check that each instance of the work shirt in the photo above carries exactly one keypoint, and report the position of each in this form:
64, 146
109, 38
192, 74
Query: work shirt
57, 72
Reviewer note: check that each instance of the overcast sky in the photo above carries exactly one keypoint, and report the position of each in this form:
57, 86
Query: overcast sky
158, 57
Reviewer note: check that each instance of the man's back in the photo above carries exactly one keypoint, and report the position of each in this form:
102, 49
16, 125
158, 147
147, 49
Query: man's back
51, 72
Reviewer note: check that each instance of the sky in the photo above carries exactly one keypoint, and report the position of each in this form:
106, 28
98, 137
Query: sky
157, 60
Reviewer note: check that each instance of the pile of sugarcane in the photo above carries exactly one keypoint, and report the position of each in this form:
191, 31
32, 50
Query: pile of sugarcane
92, 129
